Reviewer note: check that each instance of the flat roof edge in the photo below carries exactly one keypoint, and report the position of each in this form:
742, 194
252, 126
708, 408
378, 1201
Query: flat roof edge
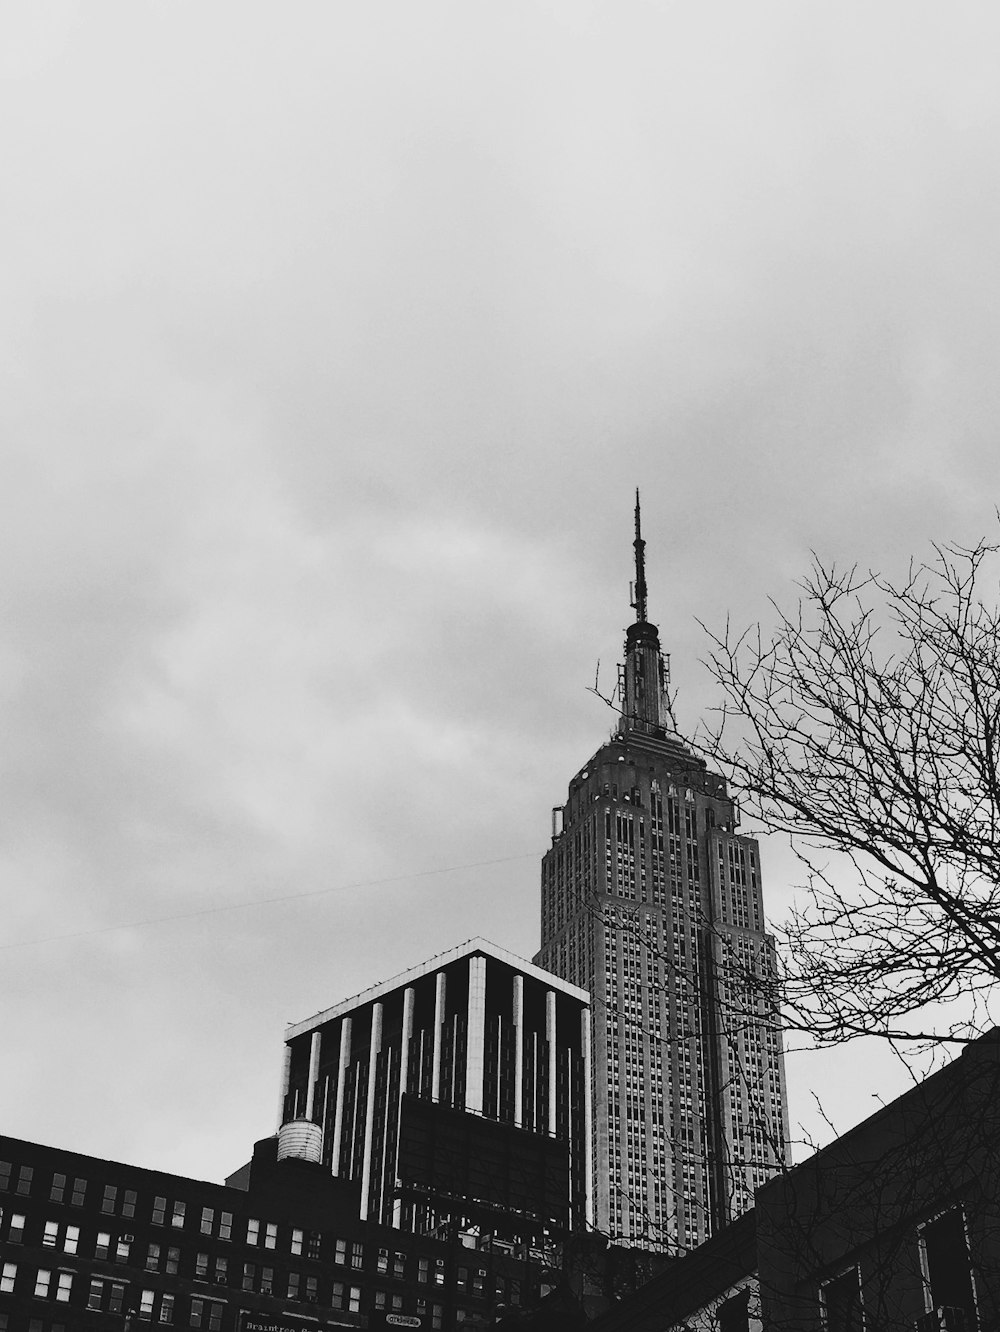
435, 963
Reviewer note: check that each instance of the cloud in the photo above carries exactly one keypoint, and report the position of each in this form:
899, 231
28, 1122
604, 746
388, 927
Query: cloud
335, 344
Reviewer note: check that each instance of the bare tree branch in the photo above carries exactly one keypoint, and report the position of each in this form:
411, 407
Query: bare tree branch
867, 727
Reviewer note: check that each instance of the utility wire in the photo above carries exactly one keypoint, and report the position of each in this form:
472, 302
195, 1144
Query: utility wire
266, 901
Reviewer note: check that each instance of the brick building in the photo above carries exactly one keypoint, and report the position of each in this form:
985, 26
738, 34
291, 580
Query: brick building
92, 1244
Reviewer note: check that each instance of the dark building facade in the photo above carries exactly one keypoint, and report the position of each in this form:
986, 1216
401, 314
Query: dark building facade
88, 1244
456, 1096
894, 1227
651, 900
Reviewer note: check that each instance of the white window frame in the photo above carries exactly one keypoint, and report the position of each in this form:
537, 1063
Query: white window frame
925, 1268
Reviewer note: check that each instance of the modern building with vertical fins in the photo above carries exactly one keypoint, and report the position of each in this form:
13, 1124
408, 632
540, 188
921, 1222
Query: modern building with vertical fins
456, 1094
651, 900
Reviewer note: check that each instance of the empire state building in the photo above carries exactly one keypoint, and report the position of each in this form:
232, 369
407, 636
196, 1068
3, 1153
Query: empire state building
651, 900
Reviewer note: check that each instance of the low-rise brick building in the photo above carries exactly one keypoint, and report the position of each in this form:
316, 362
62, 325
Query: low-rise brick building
92, 1244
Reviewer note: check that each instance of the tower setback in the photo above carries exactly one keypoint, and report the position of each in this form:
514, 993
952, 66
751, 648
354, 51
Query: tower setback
651, 900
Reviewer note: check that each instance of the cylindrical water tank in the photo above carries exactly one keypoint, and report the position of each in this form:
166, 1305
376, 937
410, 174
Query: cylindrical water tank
300, 1140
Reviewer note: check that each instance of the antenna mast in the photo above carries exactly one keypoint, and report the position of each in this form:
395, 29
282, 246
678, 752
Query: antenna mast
639, 602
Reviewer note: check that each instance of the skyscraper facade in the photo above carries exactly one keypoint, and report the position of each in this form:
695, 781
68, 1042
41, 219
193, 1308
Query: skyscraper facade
651, 900
456, 1095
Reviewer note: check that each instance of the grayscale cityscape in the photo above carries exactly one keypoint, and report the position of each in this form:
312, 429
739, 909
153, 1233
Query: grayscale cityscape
500, 663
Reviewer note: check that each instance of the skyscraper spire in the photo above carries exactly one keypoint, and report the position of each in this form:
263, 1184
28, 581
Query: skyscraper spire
639, 592
646, 693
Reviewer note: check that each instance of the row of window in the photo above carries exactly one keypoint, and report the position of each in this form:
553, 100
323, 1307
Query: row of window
168, 1259
66, 1236
123, 1202
109, 1296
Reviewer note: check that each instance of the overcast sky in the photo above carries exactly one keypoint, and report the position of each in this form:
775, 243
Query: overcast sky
337, 339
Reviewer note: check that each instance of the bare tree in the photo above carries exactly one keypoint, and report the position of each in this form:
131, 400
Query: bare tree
868, 724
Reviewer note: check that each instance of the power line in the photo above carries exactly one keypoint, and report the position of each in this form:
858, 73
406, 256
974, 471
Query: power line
266, 901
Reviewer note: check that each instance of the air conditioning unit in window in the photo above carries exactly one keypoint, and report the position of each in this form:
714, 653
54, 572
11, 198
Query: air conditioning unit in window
125, 1239
945, 1318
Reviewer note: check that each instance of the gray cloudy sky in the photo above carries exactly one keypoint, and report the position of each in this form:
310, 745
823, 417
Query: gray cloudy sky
337, 337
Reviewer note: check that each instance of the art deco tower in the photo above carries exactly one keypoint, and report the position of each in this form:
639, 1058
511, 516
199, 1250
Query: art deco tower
651, 900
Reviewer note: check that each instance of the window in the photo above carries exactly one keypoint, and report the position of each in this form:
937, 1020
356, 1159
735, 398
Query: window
206, 1314
24, 1179
128, 1205
271, 1236
110, 1196
79, 1192
841, 1302
313, 1243
253, 1231
15, 1230
51, 1237
178, 1214
221, 1271
293, 1285
71, 1239
266, 1280
7, 1276
423, 1269
398, 1263
105, 1295
201, 1266
382, 1265
42, 1282
312, 1289
146, 1304
946, 1264
65, 1287
348, 1254
166, 1308
102, 1244
122, 1247
249, 1276
159, 1210
5, 1169
346, 1297
58, 1190
297, 1236
208, 1225
173, 1261
153, 1258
